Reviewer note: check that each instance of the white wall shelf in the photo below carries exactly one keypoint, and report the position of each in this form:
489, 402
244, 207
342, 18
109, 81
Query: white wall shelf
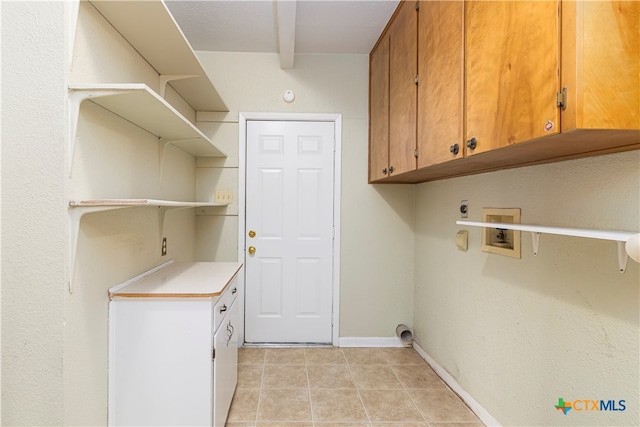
78, 208
149, 27
137, 103
621, 237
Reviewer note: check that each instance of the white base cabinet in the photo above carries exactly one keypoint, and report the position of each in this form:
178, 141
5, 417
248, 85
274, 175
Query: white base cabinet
173, 353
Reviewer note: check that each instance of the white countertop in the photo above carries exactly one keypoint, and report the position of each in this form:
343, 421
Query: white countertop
180, 280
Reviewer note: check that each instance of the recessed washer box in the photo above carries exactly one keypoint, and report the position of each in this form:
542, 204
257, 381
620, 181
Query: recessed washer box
499, 240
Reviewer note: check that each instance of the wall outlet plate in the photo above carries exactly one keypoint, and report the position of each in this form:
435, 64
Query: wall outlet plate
501, 241
223, 196
464, 208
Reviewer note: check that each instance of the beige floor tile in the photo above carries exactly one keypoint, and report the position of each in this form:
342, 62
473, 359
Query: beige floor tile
284, 376
443, 406
244, 405
419, 377
329, 376
324, 356
283, 424
284, 356
284, 405
374, 377
460, 424
345, 424
364, 356
239, 424
389, 405
337, 405
251, 356
249, 376
401, 424
403, 357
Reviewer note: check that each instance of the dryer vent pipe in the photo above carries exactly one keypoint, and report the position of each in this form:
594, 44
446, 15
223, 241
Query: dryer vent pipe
404, 333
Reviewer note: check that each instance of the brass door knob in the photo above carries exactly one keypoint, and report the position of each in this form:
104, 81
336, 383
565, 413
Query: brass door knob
252, 250
252, 234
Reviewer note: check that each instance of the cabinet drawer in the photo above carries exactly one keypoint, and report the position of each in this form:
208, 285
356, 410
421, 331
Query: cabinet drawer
223, 305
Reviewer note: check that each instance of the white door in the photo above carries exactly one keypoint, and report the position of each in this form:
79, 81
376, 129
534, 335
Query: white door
289, 207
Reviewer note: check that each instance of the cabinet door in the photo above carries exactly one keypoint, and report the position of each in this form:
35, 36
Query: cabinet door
441, 87
225, 365
512, 71
403, 48
601, 64
379, 111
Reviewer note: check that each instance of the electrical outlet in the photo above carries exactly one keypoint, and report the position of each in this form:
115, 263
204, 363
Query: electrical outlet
223, 196
164, 246
464, 208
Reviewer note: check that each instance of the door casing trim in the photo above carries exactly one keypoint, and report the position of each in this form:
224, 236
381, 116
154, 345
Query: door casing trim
337, 180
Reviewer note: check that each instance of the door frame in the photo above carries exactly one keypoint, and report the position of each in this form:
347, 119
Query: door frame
337, 180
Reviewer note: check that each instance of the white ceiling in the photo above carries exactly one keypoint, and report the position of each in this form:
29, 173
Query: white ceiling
321, 26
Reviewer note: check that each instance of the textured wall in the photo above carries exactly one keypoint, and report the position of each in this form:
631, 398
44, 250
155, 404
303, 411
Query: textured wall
377, 238
33, 212
519, 334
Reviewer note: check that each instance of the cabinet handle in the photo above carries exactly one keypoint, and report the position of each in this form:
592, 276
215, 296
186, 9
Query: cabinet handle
234, 291
390, 170
384, 171
455, 149
472, 143
223, 308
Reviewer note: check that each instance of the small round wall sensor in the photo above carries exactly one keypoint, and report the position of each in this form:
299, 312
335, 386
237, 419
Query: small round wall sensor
288, 96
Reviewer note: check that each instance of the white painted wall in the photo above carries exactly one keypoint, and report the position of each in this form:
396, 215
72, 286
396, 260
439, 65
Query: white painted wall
377, 236
54, 343
519, 334
33, 212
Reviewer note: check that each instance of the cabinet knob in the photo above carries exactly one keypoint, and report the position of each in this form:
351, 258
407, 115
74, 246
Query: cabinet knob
384, 171
234, 291
252, 250
472, 144
455, 149
223, 308
390, 170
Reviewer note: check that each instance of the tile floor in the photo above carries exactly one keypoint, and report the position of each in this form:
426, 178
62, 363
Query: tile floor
339, 387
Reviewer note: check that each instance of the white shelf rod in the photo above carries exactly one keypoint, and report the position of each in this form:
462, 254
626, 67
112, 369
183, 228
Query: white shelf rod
620, 237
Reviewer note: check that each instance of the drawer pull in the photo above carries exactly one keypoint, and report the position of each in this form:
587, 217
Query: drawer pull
234, 291
223, 308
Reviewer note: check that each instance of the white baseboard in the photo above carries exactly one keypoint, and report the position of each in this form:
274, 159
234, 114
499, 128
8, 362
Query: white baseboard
482, 413
372, 342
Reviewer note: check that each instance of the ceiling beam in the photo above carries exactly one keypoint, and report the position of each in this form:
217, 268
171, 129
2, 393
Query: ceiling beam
286, 19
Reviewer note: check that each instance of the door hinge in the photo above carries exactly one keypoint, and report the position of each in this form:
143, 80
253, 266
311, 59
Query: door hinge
561, 98
415, 79
417, 5
213, 354
415, 153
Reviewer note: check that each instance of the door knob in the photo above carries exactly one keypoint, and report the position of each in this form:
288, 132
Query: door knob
252, 234
252, 250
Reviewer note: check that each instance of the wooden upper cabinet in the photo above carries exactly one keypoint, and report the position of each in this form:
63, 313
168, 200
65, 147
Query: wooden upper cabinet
601, 65
403, 50
379, 111
441, 88
512, 72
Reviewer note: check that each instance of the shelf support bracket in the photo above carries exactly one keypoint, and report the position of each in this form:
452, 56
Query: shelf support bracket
163, 213
164, 143
76, 98
166, 78
535, 239
622, 256
75, 216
